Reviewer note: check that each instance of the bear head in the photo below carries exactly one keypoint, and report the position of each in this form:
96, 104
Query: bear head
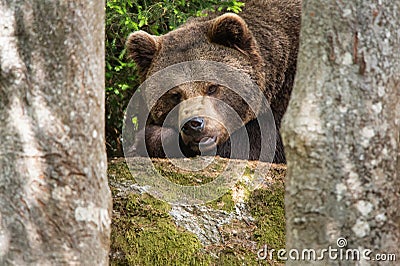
201, 119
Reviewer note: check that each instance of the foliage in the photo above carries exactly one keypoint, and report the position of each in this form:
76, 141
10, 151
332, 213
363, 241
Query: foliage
155, 17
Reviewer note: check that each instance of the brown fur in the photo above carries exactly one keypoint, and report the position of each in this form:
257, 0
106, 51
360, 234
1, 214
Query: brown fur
261, 42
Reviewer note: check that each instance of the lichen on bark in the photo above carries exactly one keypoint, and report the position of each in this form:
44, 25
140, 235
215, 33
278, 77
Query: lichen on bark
55, 204
341, 130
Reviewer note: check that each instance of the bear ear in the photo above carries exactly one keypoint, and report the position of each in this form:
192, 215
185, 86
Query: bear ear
230, 30
141, 48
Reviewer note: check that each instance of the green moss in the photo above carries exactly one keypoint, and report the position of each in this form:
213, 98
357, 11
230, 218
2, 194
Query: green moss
248, 171
144, 234
230, 257
163, 244
267, 206
237, 256
118, 170
225, 202
184, 179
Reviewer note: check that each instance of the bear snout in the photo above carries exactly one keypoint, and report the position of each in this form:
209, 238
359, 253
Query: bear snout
196, 124
202, 134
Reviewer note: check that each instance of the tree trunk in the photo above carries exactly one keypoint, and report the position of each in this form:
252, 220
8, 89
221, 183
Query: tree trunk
54, 200
341, 131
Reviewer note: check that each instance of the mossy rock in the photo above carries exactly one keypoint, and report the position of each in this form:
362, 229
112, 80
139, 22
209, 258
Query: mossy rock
227, 231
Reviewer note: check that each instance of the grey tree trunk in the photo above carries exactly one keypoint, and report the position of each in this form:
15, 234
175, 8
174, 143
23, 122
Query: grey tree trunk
55, 204
341, 131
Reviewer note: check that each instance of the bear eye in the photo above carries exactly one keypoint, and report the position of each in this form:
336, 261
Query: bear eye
212, 89
176, 96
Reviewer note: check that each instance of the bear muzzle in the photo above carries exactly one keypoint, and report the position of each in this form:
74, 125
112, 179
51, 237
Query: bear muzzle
202, 134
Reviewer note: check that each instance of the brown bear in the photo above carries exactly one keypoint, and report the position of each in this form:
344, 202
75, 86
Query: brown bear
261, 43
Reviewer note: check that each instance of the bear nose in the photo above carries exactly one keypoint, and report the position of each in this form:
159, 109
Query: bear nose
195, 124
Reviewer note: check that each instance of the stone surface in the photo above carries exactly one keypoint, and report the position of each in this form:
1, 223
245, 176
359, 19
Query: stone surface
227, 231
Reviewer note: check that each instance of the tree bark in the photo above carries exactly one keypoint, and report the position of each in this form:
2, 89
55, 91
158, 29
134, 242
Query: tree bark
55, 203
341, 130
